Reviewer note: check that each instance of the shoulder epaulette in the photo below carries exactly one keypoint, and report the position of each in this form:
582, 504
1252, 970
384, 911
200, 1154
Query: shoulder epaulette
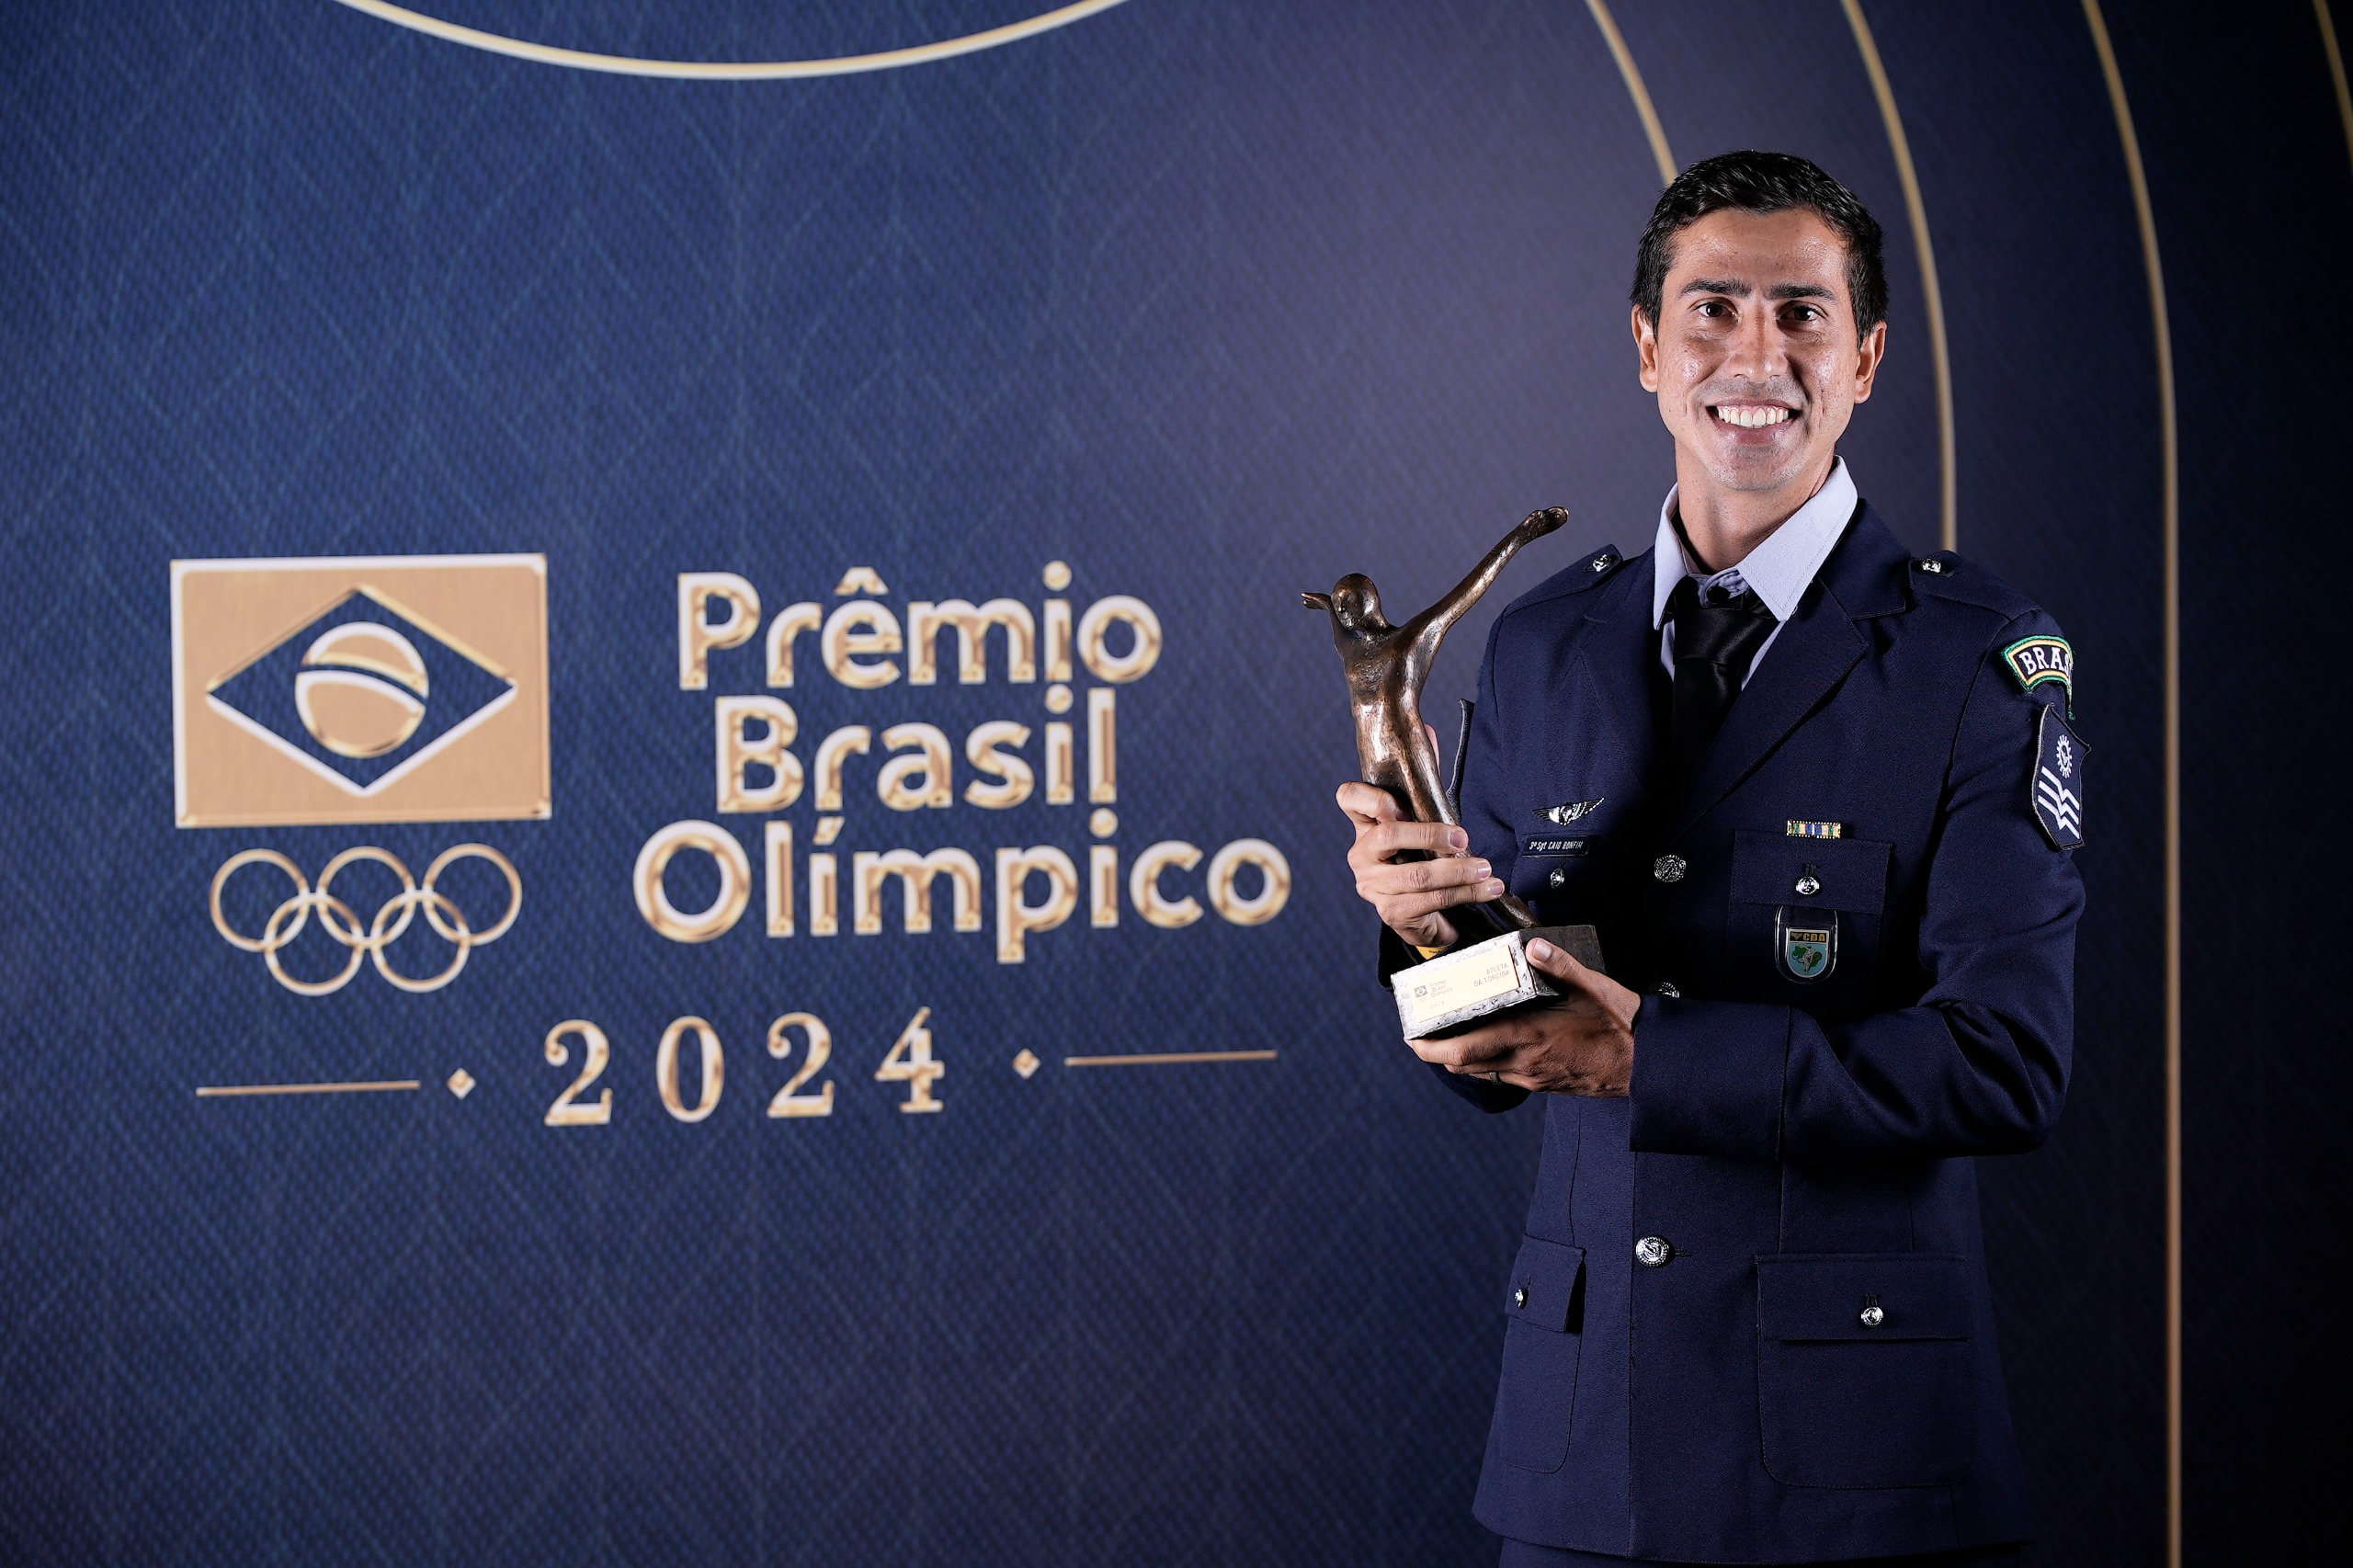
1594, 571
1946, 575
1586, 574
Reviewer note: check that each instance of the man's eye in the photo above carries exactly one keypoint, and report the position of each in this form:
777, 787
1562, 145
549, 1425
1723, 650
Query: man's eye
1714, 309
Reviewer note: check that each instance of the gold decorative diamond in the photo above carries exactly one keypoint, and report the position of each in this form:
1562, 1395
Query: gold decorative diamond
1026, 1064
461, 1083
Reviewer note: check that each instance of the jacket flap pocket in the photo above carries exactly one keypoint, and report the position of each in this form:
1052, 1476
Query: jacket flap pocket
1862, 1296
1543, 1288
1844, 873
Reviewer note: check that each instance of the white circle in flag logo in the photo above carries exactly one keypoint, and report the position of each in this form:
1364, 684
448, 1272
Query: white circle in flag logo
361, 689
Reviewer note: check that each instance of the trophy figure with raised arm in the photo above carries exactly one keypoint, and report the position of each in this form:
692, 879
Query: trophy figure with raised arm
1387, 667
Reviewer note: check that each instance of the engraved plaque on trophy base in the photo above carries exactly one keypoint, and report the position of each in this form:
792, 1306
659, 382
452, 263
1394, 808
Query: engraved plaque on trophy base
1471, 983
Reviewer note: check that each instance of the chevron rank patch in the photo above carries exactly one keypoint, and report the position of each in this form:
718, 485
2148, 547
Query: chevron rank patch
2038, 661
2057, 787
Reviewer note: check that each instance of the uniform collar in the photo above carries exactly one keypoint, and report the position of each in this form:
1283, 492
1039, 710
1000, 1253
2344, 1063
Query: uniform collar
1780, 568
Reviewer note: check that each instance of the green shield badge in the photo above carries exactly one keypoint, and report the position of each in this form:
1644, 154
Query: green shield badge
1806, 951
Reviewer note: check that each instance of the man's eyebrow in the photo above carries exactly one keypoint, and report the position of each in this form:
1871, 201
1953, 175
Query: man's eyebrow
1733, 288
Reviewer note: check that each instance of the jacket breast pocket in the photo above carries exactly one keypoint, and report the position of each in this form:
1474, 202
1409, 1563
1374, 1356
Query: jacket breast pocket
1865, 1373
1545, 1305
1804, 921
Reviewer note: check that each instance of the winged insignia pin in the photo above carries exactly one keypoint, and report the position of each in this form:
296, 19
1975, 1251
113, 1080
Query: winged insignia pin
1568, 811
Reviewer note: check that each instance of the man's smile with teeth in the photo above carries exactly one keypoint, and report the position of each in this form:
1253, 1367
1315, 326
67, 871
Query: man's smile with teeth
1751, 417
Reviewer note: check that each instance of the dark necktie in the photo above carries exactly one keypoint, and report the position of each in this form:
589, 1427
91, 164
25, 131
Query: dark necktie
1715, 639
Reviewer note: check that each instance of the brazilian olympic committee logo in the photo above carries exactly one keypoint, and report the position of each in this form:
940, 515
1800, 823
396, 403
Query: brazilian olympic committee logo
386, 689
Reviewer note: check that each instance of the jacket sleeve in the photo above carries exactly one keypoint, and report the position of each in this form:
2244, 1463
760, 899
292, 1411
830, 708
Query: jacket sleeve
1978, 1066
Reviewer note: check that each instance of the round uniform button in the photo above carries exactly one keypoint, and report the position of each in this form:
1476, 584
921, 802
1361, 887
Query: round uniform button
1520, 1297
1560, 877
1669, 868
1808, 885
1668, 988
1873, 1317
1653, 1252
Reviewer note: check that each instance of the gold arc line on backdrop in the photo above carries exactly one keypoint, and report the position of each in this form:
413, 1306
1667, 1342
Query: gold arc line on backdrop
1931, 294
1168, 1058
719, 71
2170, 609
2335, 70
1634, 88
237, 1091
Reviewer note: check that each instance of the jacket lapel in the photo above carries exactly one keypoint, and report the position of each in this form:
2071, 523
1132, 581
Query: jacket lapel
1815, 650
1618, 651
1804, 665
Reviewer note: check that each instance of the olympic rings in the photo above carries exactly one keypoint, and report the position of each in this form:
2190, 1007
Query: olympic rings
367, 940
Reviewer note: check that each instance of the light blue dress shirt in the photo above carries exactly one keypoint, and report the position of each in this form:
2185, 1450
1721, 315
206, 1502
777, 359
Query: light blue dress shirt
1780, 569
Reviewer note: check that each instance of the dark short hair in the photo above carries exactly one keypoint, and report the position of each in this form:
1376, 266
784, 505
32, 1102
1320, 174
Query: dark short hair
1762, 182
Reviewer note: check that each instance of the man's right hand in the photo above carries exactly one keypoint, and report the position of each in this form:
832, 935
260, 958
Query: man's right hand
1410, 895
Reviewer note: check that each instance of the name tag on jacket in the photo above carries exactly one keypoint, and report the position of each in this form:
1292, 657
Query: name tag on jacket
1546, 844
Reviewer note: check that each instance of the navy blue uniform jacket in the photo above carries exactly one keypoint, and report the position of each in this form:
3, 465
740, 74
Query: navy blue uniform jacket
1802, 1142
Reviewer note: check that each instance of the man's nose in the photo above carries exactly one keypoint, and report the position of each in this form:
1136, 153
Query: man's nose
1757, 348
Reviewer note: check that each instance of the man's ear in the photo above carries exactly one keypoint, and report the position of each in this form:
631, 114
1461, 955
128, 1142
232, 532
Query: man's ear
1867, 356
1646, 350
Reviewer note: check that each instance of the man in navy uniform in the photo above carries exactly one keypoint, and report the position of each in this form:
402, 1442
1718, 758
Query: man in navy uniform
1817, 795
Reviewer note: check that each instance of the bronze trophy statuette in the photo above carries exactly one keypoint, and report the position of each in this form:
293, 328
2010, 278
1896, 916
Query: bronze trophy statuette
1487, 969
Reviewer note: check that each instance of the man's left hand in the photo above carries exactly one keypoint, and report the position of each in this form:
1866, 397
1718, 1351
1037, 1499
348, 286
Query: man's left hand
1582, 1042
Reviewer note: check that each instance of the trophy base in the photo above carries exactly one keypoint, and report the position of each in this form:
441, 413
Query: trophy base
1457, 988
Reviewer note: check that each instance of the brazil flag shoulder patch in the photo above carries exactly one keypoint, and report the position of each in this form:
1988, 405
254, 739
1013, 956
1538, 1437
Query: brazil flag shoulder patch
2037, 661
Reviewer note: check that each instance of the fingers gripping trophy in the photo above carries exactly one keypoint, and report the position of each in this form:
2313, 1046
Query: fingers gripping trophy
1487, 970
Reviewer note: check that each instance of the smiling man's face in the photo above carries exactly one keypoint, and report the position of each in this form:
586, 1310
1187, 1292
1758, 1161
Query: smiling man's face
1755, 357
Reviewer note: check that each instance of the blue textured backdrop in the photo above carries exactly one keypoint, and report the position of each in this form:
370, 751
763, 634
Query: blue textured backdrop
1214, 303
